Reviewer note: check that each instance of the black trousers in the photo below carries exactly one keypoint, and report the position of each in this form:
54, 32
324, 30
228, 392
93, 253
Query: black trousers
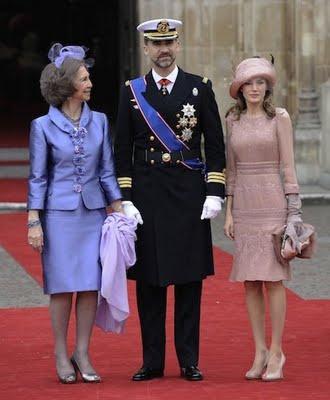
151, 301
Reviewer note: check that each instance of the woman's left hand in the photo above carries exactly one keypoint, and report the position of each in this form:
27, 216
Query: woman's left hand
115, 206
36, 238
229, 227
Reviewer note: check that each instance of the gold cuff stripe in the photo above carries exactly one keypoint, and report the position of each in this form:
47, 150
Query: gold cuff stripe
126, 178
215, 174
125, 182
216, 181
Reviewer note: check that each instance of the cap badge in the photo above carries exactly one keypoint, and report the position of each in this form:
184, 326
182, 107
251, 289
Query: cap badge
163, 26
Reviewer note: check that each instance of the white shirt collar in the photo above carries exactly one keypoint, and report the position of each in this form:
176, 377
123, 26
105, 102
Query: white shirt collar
171, 77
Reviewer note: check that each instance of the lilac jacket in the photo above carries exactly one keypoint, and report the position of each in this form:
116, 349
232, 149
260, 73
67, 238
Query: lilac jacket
59, 176
117, 254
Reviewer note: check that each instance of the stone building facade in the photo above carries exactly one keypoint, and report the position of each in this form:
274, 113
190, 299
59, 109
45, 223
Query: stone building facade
217, 34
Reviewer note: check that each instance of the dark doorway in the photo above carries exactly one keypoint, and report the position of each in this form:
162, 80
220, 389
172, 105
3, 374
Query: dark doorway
29, 28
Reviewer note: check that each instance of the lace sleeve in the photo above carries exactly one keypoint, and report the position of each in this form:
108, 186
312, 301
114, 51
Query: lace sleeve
231, 167
285, 143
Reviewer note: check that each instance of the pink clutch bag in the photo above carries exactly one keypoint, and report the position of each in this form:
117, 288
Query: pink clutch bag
299, 242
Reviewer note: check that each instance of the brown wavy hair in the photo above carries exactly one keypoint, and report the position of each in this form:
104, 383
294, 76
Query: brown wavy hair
56, 84
240, 107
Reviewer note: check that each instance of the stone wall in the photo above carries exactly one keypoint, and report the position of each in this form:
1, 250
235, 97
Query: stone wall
217, 34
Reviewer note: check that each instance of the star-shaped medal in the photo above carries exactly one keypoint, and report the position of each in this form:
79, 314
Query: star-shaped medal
188, 110
192, 122
186, 134
183, 122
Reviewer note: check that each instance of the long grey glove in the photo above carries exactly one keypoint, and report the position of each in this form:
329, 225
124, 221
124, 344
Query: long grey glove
294, 223
294, 209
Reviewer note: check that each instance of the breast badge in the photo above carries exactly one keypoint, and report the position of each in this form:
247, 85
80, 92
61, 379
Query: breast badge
186, 122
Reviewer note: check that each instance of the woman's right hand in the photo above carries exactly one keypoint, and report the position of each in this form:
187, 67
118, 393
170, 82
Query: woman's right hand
36, 238
229, 227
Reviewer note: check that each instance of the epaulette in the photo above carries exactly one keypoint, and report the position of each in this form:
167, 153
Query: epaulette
127, 83
205, 79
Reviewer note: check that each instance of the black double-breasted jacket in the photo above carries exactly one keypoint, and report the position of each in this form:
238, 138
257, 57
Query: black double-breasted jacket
174, 245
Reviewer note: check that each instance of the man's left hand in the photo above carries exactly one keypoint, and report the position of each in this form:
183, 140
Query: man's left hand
211, 207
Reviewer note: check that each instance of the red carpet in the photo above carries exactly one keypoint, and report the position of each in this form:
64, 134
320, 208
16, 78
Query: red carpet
27, 367
13, 190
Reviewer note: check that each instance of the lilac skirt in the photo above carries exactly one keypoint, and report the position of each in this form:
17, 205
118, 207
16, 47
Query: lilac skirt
71, 255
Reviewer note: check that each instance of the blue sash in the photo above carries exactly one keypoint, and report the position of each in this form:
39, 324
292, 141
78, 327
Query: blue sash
158, 125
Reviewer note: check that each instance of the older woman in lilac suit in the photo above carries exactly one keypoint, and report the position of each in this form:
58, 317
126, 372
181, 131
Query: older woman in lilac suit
72, 180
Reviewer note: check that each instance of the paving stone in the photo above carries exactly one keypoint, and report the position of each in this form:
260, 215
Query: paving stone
17, 288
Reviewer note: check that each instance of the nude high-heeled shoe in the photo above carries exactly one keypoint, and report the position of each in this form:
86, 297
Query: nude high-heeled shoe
277, 374
68, 378
256, 372
86, 377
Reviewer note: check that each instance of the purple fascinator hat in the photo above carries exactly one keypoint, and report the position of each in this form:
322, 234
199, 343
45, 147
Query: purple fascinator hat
57, 54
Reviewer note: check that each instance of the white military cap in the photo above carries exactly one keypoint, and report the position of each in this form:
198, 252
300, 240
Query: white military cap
160, 29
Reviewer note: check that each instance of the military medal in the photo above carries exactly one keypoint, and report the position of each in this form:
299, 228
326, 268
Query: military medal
186, 134
188, 110
188, 120
164, 82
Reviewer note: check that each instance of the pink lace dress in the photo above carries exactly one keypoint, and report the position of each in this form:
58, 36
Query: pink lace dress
259, 151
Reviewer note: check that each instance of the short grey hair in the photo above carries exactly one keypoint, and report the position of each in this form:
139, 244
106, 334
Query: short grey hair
56, 84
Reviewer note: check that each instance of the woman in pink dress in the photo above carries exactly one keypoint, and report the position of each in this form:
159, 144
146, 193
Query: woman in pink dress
259, 151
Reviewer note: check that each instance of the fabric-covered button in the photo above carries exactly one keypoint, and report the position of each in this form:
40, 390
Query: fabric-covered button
77, 188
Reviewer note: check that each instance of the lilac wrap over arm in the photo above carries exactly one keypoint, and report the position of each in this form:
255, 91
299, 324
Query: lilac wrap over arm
117, 254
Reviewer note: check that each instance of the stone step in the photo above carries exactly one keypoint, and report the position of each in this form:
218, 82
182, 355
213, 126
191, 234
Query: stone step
14, 154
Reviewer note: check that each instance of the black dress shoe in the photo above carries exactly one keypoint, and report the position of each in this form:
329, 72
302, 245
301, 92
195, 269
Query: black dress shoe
191, 373
145, 374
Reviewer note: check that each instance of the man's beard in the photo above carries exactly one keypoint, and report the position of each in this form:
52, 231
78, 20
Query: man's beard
164, 63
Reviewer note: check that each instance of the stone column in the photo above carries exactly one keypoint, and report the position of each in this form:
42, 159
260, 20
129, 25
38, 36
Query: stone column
308, 127
325, 148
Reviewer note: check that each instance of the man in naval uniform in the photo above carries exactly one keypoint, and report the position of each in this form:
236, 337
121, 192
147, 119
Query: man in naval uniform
171, 192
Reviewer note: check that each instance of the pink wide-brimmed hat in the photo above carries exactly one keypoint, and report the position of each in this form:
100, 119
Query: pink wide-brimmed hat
251, 68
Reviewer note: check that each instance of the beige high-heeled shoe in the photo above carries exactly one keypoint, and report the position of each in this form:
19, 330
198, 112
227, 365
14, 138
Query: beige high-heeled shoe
68, 378
277, 374
256, 373
86, 377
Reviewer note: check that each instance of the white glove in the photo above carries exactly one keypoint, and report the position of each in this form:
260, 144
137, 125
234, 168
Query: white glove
211, 207
131, 211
